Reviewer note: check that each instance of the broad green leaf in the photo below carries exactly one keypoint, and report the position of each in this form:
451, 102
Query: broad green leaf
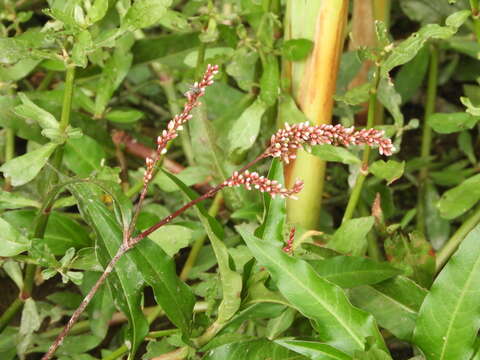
388, 97
279, 324
314, 350
19, 70
10, 200
98, 10
448, 123
270, 81
242, 68
356, 95
390, 170
410, 77
338, 323
172, 238
24, 168
351, 271
460, 199
394, 303
449, 318
246, 128
351, 236
212, 55
61, 234
126, 281
126, 116
272, 228
288, 111
297, 49
30, 111
231, 280
408, 48
256, 349
83, 155
471, 108
13, 242
29, 323
12, 50
145, 13
335, 153
83, 43
148, 259
426, 11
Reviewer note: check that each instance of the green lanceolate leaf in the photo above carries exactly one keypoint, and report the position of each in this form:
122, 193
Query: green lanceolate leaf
338, 323
30, 111
270, 81
407, 49
394, 303
275, 210
24, 168
390, 170
334, 153
449, 318
297, 49
12, 242
314, 350
351, 236
448, 123
144, 13
155, 267
126, 281
460, 199
246, 128
83, 155
231, 280
351, 271
256, 349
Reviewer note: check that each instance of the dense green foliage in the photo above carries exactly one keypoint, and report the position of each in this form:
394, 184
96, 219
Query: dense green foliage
391, 272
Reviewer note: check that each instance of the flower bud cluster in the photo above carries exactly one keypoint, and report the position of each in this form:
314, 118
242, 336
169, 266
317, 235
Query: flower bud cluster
288, 248
176, 124
285, 142
252, 180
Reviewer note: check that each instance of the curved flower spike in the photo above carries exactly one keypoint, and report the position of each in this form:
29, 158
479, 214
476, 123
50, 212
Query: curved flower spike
252, 180
285, 142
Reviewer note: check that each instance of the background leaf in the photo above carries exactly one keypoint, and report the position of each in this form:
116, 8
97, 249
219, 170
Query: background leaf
449, 318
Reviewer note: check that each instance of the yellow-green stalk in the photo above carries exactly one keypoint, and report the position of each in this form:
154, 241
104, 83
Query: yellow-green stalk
313, 86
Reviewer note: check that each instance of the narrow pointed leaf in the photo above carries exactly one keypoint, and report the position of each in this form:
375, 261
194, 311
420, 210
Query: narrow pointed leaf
339, 323
231, 280
24, 168
449, 318
154, 267
314, 350
394, 303
351, 271
125, 282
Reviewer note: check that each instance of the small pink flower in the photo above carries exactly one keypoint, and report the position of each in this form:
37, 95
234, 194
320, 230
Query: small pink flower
285, 142
176, 124
288, 248
252, 180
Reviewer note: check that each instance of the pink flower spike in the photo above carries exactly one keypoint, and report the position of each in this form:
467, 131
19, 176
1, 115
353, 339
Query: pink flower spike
252, 180
285, 142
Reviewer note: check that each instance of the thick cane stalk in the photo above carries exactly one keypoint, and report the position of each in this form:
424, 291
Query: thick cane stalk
313, 85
